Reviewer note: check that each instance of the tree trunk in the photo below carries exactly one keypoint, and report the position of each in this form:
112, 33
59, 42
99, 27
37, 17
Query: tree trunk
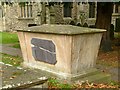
104, 15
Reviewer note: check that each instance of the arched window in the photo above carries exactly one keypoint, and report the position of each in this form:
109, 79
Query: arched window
91, 10
25, 9
67, 9
116, 8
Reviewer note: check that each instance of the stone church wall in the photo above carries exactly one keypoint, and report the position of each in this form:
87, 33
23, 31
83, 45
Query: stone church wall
42, 13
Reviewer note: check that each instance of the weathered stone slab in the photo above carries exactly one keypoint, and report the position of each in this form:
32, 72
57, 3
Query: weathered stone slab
14, 78
61, 29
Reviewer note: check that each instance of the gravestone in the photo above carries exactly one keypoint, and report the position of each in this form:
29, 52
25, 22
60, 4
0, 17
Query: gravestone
111, 31
117, 29
117, 25
67, 51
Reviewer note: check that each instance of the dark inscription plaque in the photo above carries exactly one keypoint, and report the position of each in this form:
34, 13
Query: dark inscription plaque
44, 50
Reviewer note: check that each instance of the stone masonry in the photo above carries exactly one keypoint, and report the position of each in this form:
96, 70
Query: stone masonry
46, 13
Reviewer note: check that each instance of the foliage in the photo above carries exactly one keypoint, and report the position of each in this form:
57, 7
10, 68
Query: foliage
113, 83
8, 38
117, 35
13, 60
55, 84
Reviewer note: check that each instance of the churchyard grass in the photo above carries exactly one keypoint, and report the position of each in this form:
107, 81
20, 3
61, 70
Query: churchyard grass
117, 35
12, 60
17, 45
63, 85
54, 83
9, 38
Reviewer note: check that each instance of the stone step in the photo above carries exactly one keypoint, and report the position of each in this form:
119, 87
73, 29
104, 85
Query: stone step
40, 86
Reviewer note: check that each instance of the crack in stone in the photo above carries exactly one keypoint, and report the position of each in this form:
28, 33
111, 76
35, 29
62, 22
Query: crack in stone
47, 50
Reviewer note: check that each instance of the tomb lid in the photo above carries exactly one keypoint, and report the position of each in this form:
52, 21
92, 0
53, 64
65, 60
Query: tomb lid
61, 29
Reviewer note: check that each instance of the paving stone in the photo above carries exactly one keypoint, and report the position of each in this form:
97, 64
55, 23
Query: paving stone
9, 50
13, 77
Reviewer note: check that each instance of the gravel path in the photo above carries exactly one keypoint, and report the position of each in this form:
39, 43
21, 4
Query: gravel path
9, 50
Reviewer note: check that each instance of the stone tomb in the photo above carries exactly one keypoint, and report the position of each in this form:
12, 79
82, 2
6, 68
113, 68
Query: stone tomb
66, 51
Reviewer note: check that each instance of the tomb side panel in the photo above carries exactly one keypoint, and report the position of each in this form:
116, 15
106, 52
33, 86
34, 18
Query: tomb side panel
21, 36
63, 52
84, 52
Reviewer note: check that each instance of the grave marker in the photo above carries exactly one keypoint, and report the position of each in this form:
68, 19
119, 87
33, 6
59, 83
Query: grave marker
69, 52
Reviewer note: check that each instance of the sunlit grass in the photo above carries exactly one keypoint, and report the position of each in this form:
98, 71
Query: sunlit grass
13, 60
8, 38
117, 35
54, 83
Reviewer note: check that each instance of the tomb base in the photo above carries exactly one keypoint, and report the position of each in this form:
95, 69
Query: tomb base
92, 75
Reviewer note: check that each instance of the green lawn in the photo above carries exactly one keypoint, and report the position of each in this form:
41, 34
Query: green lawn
8, 38
13, 60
